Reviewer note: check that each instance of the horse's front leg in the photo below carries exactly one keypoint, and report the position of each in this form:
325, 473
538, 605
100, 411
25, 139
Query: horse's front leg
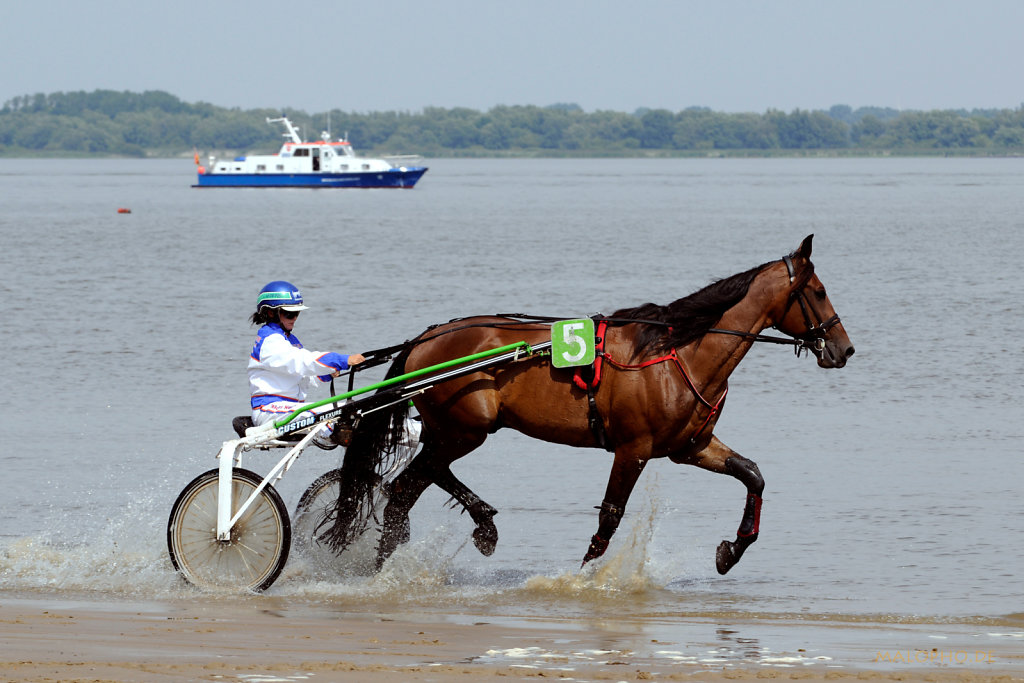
625, 471
717, 457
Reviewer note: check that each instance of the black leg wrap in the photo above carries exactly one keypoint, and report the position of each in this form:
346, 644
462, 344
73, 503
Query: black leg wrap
746, 471
607, 522
730, 552
608, 518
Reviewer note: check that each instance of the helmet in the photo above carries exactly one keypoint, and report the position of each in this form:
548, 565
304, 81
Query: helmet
280, 294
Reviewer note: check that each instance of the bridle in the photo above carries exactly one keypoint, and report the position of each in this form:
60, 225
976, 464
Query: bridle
814, 338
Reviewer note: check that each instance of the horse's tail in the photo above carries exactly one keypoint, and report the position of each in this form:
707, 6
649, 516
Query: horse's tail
376, 441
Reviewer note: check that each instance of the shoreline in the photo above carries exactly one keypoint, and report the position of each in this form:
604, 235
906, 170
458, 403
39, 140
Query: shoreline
83, 638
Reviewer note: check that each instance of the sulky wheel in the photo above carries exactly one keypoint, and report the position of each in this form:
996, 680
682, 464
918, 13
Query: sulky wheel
258, 549
312, 518
311, 512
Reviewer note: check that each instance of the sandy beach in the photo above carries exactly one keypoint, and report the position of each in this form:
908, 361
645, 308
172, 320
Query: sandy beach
261, 640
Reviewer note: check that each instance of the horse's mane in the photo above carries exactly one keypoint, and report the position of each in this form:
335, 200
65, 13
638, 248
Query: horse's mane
687, 319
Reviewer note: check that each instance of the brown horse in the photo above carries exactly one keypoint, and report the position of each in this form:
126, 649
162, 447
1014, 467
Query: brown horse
665, 376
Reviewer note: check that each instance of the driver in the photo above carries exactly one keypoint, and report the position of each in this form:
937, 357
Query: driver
281, 371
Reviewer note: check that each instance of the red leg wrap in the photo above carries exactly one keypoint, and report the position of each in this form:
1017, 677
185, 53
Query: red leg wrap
751, 517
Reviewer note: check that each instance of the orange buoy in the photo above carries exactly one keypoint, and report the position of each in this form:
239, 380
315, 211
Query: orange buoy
124, 210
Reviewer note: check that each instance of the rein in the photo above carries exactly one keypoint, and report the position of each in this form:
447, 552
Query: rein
813, 340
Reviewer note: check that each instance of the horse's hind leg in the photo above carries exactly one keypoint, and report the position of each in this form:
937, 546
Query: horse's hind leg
718, 457
429, 468
485, 536
403, 493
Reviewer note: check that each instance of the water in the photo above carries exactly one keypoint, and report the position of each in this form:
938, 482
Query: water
892, 484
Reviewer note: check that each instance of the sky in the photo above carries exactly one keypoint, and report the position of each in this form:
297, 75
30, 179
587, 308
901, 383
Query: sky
402, 55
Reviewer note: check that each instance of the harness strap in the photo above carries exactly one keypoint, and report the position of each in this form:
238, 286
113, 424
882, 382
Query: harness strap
596, 423
589, 385
595, 374
714, 408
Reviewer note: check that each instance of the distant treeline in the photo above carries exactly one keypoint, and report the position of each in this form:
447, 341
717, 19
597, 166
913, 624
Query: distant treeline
156, 123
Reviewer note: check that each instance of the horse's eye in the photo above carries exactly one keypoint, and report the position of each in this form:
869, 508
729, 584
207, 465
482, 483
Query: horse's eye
819, 294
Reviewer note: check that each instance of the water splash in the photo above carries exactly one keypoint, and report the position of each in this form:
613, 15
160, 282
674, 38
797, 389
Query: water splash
114, 566
627, 569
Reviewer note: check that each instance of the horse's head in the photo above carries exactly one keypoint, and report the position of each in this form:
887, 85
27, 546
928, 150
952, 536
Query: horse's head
808, 314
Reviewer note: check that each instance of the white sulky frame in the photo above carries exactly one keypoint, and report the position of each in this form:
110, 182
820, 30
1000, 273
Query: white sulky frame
230, 455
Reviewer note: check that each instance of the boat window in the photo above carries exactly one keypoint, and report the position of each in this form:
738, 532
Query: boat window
344, 167
280, 167
366, 167
302, 152
260, 168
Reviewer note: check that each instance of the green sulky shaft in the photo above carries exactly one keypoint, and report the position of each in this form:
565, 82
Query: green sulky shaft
402, 378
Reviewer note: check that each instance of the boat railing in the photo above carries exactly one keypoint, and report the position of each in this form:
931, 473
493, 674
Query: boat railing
404, 159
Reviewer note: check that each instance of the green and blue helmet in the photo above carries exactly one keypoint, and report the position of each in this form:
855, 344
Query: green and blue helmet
280, 294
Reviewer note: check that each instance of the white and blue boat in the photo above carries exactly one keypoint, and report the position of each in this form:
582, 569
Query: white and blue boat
324, 163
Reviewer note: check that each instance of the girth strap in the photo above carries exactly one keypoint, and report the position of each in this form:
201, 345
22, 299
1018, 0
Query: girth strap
596, 423
589, 384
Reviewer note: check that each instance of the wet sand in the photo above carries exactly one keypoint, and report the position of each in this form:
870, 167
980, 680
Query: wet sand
61, 639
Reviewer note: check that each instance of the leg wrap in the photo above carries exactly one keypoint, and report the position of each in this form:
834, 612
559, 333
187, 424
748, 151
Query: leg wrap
608, 518
607, 522
751, 517
746, 471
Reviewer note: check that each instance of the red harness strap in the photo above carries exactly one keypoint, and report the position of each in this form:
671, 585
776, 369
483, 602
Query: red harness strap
577, 377
674, 357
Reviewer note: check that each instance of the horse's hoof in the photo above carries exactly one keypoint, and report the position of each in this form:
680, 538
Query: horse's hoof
597, 547
485, 538
725, 557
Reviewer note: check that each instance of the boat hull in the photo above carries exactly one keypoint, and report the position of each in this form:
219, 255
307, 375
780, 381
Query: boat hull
395, 178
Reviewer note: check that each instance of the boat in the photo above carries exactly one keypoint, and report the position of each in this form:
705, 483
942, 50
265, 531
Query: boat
323, 163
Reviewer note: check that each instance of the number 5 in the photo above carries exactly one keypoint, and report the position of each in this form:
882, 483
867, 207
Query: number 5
570, 338
572, 343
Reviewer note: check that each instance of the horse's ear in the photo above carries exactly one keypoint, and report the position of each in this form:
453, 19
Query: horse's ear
805, 247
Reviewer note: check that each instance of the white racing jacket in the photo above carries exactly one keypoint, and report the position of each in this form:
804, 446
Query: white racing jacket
282, 372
